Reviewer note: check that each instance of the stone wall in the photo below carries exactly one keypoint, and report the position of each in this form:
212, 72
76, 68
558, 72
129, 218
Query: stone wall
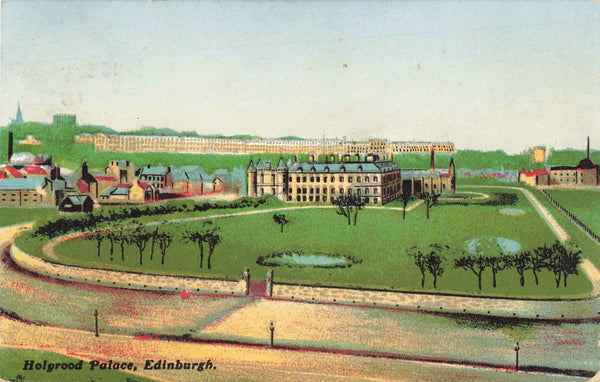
128, 280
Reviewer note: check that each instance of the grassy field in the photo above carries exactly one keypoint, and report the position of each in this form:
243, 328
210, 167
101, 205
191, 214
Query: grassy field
379, 240
14, 215
12, 361
583, 204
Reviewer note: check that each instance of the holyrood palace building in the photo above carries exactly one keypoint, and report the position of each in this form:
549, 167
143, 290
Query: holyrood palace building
377, 180
198, 145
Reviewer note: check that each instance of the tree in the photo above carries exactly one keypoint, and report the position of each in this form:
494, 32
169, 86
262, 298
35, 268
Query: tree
419, 259
474, 263
154, 236
540, 259
199, 237
111, 237
405, 197
164, 241
122, 240
521, 261
565, 260
140, 238
98, 237
430, 200
212, 238
348, 205
434, 260
493, 253
281, 220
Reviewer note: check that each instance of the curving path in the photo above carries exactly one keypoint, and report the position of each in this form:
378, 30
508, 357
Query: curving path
535, 309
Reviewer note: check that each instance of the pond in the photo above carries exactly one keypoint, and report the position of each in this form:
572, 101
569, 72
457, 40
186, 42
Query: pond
299, 259
492, 245
512, 211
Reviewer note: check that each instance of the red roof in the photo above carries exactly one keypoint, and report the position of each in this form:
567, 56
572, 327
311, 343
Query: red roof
106, 179
35, 170
144, 185
123, 185
83, 188
534, 172
14, 172
3, 175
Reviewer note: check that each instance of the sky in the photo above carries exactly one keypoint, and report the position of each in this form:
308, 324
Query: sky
502, 75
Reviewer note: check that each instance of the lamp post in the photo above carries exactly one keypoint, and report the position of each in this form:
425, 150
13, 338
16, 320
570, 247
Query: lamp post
517, 357
272, 329
96, 319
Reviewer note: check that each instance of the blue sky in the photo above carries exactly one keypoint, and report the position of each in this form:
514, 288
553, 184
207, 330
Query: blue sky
485, 75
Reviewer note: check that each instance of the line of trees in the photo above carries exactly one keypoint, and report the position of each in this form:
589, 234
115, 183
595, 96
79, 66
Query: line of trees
146, 240
560, 259
106, 217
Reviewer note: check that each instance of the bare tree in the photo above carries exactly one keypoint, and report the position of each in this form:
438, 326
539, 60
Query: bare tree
98, 237
280, 219
122, 239
434, 259
475, 263
565, 260
111, 236
154, 236
405, 197
199, 237
521, 262
430, 200
348, 206
212, 238
164, 241
140, 239
540, 259
419, 259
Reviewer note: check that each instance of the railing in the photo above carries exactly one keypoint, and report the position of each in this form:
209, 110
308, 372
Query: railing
571, 216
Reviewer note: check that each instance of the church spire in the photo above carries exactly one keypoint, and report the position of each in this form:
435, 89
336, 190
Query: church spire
19, 118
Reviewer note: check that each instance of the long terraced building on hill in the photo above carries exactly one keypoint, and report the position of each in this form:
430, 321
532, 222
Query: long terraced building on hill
138, 143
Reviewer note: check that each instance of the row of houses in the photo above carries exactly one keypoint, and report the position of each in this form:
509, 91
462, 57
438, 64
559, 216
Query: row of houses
585, 174
149, 143
31, 184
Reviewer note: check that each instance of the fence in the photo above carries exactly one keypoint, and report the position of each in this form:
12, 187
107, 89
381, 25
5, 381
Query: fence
571, 216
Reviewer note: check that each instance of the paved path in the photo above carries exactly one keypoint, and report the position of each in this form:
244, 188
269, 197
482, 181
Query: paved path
251, 363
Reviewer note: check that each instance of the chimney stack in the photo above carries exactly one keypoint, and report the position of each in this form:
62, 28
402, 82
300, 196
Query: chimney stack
84, 170
10, 145
432, 159
588, 148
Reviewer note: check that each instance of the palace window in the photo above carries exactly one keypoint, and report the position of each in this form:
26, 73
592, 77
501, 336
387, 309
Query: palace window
333, 178
341, 178
304, 179
324, 198
349, 179
298, 179
312, 178
318, 179
375, 179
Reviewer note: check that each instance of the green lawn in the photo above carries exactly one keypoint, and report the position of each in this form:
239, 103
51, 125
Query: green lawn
583, 204
12, 362
14, 215
380, 240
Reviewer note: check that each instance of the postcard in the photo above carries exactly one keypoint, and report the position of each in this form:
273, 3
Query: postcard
299, 191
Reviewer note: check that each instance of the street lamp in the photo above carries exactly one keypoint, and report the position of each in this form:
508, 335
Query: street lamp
96, 317
517, 359
272, 329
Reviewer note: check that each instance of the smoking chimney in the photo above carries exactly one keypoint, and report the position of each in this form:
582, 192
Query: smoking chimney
10, 145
